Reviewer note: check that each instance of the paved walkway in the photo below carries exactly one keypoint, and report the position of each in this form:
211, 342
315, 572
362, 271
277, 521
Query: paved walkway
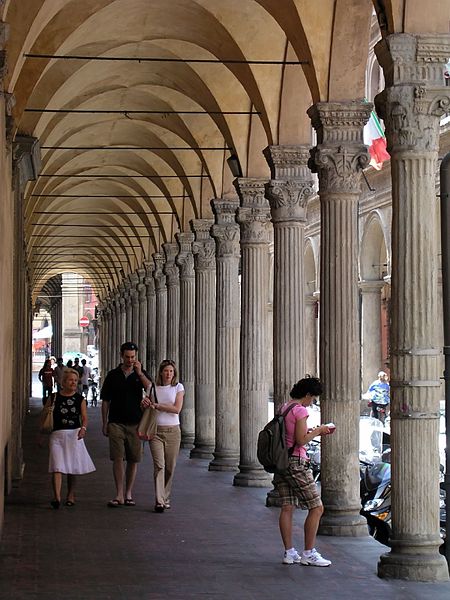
218, 542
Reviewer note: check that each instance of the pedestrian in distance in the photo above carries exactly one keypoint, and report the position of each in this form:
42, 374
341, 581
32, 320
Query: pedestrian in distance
67, 451
85, 378
58, 373
121, 396
165, 446
297, 487
45, 376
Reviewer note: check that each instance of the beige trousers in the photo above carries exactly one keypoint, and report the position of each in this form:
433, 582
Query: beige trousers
164, 447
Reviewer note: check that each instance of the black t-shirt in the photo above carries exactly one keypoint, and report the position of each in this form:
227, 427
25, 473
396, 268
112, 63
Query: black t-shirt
67, 412
124, 395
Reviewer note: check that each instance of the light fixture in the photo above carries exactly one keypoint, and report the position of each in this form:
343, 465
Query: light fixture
235, 165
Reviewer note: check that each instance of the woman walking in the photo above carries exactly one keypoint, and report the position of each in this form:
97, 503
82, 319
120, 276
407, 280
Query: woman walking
166, 444
68, 453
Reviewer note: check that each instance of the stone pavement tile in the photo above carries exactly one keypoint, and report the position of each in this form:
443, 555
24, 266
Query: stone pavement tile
218, 542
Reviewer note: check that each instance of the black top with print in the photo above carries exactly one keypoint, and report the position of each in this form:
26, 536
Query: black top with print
67, 412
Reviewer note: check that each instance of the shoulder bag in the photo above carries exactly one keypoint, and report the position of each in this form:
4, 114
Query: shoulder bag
46, 422
146, 430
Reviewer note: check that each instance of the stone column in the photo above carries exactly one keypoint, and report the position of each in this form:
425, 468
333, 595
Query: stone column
371, 359
161, 309
101, 344
226, 233
311, 308
185, 262
123, 320
254, 220
134, 278
173, 301
151, 319
118, 325
129, 312
205, 338
288, 192
414, 100
142, 329
107, 353
339, 157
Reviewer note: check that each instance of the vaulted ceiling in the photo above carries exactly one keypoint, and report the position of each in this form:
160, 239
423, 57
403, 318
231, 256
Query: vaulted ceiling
137, 104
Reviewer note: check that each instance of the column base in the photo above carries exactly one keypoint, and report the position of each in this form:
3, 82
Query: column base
224, 462
413, 567
347, 524
187, 440
252, 478
202, 451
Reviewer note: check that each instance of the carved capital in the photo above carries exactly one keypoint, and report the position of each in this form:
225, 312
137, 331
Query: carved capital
288, 162
289, 198
415, 96
339, 168
254, 214
170, 268
203, 247
226, 230
158, 273
185, 258
340, 123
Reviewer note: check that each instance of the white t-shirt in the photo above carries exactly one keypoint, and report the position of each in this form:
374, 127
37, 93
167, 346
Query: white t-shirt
166, 394
86, 375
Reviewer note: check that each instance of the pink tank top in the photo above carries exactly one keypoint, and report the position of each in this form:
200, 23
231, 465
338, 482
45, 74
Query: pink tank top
296, 413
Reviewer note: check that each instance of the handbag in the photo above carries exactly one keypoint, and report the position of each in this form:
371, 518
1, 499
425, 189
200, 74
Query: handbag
146, 429
46, 425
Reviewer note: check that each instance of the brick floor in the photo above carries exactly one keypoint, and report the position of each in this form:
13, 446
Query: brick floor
217, 542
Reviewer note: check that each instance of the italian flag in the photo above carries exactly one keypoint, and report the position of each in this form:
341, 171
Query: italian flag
376, 140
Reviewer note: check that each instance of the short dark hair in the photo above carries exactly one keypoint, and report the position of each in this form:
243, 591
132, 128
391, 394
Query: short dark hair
307, 385
128, 346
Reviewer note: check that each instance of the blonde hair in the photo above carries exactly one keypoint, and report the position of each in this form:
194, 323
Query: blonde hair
68, 371
162, 366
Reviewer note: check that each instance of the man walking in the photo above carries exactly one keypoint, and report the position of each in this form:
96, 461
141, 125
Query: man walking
85, 378
58, 373
121, 396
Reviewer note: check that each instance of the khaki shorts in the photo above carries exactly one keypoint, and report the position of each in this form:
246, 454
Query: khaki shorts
297, 487
124, 442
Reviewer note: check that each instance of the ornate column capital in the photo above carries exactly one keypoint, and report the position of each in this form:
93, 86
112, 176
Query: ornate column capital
415, 96
254, 213
203, 247
340, 154
226, 229
185, 258
292, 184
170, 268
158, 273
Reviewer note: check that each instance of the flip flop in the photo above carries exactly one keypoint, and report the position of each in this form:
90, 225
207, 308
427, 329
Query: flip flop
129, 502
114, 503
69, 503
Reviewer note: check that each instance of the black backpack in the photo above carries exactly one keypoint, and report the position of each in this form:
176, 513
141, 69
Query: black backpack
272, 452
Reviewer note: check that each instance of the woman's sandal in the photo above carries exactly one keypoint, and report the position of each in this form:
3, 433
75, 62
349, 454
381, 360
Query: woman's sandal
69, 503
55, 504
129, 502
114, 503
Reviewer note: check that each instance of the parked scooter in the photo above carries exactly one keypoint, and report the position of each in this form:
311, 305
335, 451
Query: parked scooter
375, 487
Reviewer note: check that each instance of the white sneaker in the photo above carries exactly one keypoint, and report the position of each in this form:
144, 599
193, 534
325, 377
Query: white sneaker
291, 558
314, 559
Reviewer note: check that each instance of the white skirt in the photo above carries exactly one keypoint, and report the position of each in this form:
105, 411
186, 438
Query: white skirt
68, 454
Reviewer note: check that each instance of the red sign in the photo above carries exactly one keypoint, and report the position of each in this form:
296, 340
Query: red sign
84, 322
